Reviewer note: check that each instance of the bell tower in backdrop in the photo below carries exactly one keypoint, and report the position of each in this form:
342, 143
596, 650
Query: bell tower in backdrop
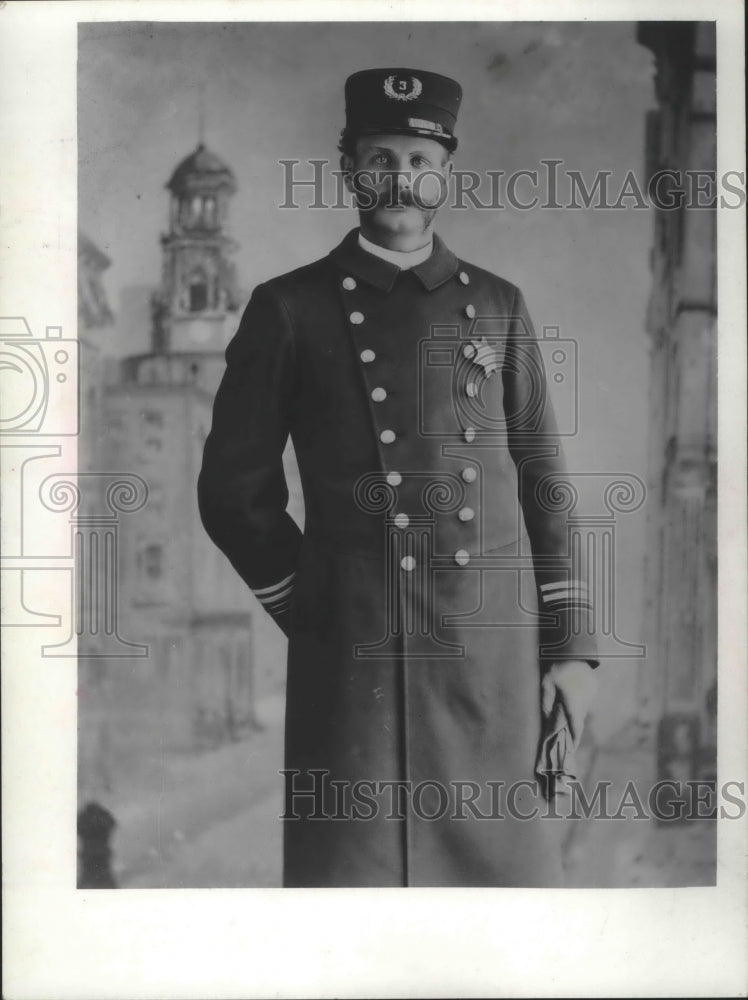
178, 595
198, 282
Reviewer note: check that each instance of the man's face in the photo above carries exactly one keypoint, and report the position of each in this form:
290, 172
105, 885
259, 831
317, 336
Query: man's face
399, 181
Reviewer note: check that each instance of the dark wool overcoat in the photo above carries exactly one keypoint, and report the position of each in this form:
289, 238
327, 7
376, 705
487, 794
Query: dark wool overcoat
432, 579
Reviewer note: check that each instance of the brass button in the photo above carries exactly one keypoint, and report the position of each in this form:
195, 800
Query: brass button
408, 563
466, 514
470, 311
394, 478
462, 557
349, 284
468, 351
402, 520
469, 474
379, 394
387, 437
469, 434
356, 318
367, 356
464, 277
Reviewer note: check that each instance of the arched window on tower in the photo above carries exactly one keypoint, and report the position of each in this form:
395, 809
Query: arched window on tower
210, 212
196, 210
198, 286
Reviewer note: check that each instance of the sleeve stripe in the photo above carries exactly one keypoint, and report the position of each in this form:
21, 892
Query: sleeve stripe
565, 595
564, 585
281, 595
269, 591
564, 590
564, 602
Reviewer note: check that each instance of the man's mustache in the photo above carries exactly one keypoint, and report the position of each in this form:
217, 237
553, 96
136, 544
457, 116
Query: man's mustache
396, 199
375, 191
371, 201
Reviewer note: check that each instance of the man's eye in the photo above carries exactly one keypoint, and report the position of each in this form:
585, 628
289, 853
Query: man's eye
381, 158
419, 161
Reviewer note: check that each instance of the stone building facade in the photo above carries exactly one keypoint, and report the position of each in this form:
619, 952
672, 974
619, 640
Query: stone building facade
186, 667
678, 682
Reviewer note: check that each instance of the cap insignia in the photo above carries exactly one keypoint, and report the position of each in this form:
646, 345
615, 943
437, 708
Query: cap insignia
402, 88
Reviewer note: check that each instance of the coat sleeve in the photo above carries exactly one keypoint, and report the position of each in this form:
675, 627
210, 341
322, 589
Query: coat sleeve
564, 594
242, 490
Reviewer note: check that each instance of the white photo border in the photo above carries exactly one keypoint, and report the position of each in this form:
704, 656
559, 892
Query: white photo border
61, 942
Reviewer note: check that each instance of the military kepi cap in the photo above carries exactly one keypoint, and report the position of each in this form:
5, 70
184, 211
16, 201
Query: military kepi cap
402, 101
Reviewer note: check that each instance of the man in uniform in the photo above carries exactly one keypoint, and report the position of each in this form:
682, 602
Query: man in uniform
440, 651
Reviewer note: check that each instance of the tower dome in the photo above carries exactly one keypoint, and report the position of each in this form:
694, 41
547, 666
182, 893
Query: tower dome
200, 190
201, 170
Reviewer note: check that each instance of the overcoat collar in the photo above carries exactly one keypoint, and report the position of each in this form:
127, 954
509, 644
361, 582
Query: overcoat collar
432, 272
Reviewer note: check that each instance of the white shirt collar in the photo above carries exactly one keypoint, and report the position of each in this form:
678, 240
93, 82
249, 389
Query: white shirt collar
404, 259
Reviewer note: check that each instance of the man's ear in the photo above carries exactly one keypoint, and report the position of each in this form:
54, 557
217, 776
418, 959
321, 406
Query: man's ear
449, 167
346, 168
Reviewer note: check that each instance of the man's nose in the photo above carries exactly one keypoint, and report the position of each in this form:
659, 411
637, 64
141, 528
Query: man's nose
399, 179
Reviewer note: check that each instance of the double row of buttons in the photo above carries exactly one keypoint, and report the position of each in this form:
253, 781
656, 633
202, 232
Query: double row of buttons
387, 436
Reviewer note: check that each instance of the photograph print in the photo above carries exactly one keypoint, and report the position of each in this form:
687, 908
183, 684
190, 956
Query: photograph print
396, 543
